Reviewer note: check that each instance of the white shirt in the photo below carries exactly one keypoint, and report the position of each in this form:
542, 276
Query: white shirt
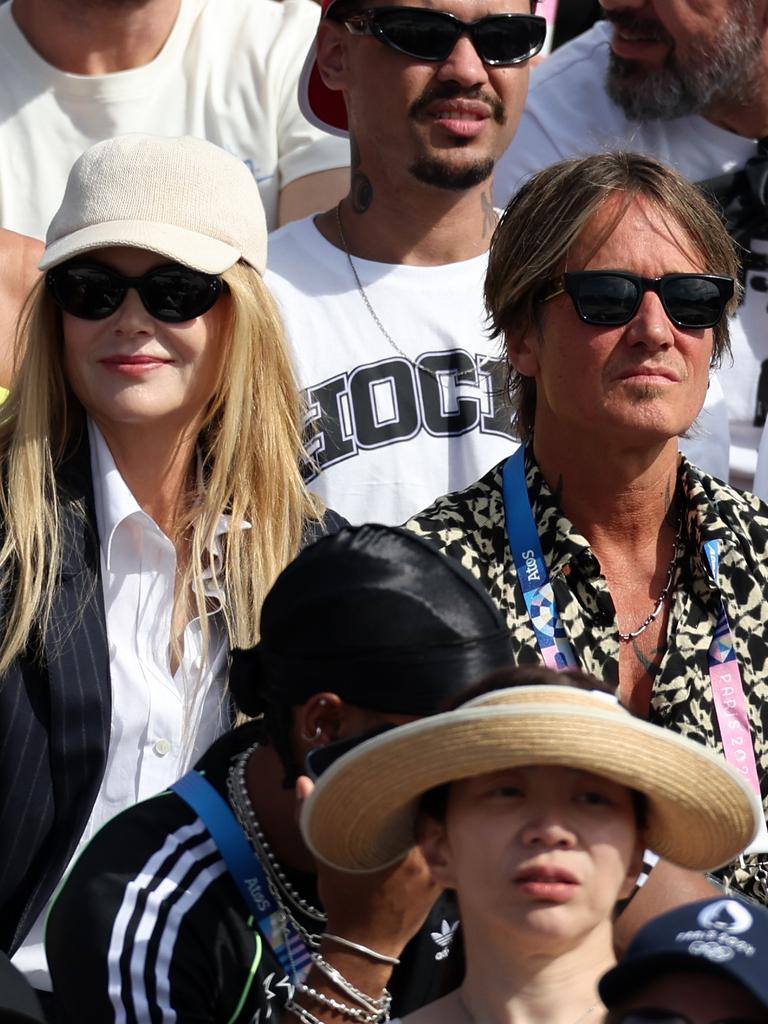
388, 439
162, 722
228, 72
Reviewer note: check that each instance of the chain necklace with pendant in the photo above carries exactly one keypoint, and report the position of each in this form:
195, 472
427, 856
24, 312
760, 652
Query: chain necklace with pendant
628, 637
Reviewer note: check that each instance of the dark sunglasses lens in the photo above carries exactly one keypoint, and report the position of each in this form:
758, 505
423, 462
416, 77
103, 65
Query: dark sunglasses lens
606, 299
176, 294
428, 35
693, 301
509, 40
90, 293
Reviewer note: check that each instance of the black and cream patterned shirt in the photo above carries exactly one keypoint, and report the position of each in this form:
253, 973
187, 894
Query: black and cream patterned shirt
470, 526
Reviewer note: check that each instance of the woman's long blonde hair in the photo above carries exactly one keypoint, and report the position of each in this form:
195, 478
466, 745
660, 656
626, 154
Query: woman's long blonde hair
251, 450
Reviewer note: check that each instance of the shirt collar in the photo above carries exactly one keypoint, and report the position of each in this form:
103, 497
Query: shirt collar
113, 499
702, 520
115, 504
558, 534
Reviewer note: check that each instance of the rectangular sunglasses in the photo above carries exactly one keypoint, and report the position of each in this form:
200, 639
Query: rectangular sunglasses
500, 39
611, 298
171, 293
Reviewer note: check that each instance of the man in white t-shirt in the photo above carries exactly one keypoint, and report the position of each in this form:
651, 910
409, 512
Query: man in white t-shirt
382, 295
687, 83
74, 72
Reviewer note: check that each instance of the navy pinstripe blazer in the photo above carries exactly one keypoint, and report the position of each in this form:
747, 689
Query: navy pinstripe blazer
55, 709
55, 712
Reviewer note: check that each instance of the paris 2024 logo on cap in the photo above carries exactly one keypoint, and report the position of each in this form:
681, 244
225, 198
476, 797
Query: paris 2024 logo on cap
721, 923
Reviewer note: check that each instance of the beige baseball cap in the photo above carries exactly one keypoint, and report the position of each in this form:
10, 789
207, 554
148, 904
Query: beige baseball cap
183, 198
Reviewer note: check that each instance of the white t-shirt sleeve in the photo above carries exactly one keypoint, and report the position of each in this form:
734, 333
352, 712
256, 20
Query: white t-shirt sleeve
531, 151
302, 148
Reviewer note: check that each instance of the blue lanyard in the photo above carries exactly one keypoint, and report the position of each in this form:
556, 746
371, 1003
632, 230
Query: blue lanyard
247, 872
723, 666
532, 572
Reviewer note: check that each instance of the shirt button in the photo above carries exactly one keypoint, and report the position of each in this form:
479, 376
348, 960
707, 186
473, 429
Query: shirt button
162, 747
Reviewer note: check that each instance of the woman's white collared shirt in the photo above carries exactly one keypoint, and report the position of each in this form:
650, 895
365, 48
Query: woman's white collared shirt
162, 721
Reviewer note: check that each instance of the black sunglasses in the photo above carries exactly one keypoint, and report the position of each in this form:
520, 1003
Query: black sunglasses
171, 293
611, 298
651, 1015
500, 39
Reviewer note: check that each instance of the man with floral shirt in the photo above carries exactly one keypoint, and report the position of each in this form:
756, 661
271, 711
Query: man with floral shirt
610, 278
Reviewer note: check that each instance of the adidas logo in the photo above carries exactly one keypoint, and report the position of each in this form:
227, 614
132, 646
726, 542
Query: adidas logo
444, 938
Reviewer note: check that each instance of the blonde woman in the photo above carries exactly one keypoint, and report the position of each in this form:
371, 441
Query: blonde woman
150, 493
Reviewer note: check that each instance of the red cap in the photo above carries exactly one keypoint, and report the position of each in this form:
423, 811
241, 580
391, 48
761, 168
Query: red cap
320, 105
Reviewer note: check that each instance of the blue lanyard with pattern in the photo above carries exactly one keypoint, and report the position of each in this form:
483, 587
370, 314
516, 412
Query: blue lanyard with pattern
532, 572
723, 665
247, 872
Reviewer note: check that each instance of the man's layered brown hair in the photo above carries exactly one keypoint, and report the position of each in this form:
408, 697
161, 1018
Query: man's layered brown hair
541, 223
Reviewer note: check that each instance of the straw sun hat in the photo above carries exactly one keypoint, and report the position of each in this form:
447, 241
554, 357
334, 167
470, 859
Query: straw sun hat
361, 814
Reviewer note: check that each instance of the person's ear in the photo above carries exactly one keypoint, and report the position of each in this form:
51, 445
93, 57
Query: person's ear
320, 720
522, 350
432, 838
331, 54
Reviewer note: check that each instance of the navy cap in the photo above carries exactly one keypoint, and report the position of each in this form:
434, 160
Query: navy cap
725, 936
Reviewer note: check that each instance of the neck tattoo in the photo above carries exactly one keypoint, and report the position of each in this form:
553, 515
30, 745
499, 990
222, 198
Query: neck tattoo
629, 637
441, 378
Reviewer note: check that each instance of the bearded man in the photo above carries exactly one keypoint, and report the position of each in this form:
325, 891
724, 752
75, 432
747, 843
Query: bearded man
684, 81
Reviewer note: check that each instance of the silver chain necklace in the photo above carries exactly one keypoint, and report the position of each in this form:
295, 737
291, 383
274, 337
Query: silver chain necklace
393, 344
282, 888
628, 637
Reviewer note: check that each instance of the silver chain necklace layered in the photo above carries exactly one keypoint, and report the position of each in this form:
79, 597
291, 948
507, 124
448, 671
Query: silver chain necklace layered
282, 889
628, 637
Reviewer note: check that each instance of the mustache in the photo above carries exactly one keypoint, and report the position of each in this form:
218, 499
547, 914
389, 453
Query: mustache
453, 91
649, 28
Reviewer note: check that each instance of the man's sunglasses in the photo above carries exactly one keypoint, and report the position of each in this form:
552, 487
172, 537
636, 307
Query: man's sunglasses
171, 293
654, 1016
500, 39
611, 298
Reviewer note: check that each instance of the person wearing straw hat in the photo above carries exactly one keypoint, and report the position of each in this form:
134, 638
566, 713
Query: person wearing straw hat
697, 964
149, 495
215, 911
611, 280
533, 803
